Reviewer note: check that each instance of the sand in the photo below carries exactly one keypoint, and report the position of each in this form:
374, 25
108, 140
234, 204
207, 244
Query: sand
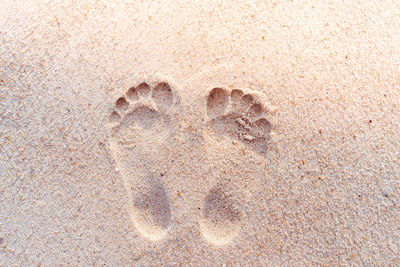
203, 133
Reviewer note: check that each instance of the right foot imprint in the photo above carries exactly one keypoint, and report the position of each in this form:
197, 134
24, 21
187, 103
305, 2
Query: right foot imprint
139, 125
240, 116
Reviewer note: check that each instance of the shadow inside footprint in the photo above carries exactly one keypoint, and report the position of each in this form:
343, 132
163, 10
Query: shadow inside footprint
152, 212
218, 206
221, 217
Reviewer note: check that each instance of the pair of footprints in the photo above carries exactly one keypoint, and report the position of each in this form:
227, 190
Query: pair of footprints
141, 126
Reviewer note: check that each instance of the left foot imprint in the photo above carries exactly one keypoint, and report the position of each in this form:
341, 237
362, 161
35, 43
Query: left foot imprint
140, 129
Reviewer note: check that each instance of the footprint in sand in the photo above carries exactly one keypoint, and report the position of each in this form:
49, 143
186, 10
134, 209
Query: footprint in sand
139, 125
233, 116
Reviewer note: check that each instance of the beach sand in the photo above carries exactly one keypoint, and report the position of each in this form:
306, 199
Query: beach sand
203, 133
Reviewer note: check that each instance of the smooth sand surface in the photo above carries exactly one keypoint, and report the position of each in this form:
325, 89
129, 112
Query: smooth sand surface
200, 133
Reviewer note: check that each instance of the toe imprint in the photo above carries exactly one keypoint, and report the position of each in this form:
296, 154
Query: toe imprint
217, 102
121, 104
162, 96
143, 89
132, 94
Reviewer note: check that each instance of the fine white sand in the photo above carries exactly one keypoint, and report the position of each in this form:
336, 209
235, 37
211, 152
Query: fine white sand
203, 133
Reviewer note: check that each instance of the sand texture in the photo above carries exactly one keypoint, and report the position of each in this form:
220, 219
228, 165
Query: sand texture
200, 133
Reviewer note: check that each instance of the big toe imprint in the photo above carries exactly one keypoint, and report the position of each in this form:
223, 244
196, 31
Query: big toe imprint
140, 128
